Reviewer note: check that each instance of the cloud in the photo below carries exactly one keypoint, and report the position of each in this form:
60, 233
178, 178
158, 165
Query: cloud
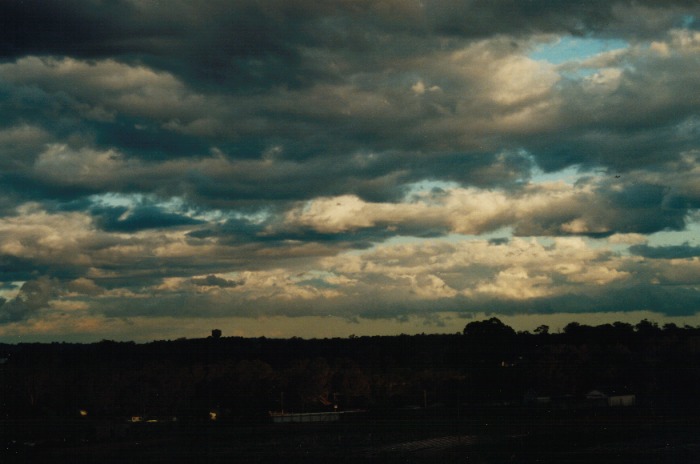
84, 286
124, 219
684, 251
538, 209
474, 130
33, 296
214, 281
354, 158
520, 275
32, 234
17, 141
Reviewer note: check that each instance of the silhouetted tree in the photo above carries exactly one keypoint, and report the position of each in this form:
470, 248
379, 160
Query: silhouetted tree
647, 328
488, 328
542, 330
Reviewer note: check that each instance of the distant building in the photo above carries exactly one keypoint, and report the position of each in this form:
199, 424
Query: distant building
216, 333
281, 417
612, 397
549, 400
533, 397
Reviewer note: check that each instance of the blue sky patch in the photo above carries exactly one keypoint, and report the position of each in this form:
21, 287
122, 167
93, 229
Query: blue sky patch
568, 48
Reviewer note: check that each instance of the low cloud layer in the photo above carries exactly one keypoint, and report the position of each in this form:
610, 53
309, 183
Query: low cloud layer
376, 160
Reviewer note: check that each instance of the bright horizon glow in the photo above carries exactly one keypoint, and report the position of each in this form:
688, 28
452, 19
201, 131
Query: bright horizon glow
332, 327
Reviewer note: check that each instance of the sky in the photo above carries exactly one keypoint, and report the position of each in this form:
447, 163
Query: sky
317, 169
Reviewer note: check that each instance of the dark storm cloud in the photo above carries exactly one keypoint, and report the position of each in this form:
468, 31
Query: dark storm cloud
666, 252
644, 208
50, 27
16, 269
412, 139
214, 281
482, 17
33, 296
124, 219
499, 241
472, 168
148, 148
669, 301
146, 141
240, 231
234, 230
220, 40
649, 118
255, 44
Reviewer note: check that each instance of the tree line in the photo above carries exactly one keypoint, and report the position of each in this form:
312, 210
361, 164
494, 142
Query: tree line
241, 379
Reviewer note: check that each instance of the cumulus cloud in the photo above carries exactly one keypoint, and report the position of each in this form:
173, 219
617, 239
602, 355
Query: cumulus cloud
351, 158
538, 209
33, 296
666, 252
214, 281
84, 286
423, 278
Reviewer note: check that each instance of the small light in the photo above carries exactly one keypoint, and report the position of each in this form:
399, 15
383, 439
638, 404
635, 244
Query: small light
83, 412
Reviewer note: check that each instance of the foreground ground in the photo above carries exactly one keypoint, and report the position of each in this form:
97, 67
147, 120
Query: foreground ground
494, 436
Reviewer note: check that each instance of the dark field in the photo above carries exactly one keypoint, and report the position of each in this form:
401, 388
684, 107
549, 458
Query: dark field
614, 393
507, 435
